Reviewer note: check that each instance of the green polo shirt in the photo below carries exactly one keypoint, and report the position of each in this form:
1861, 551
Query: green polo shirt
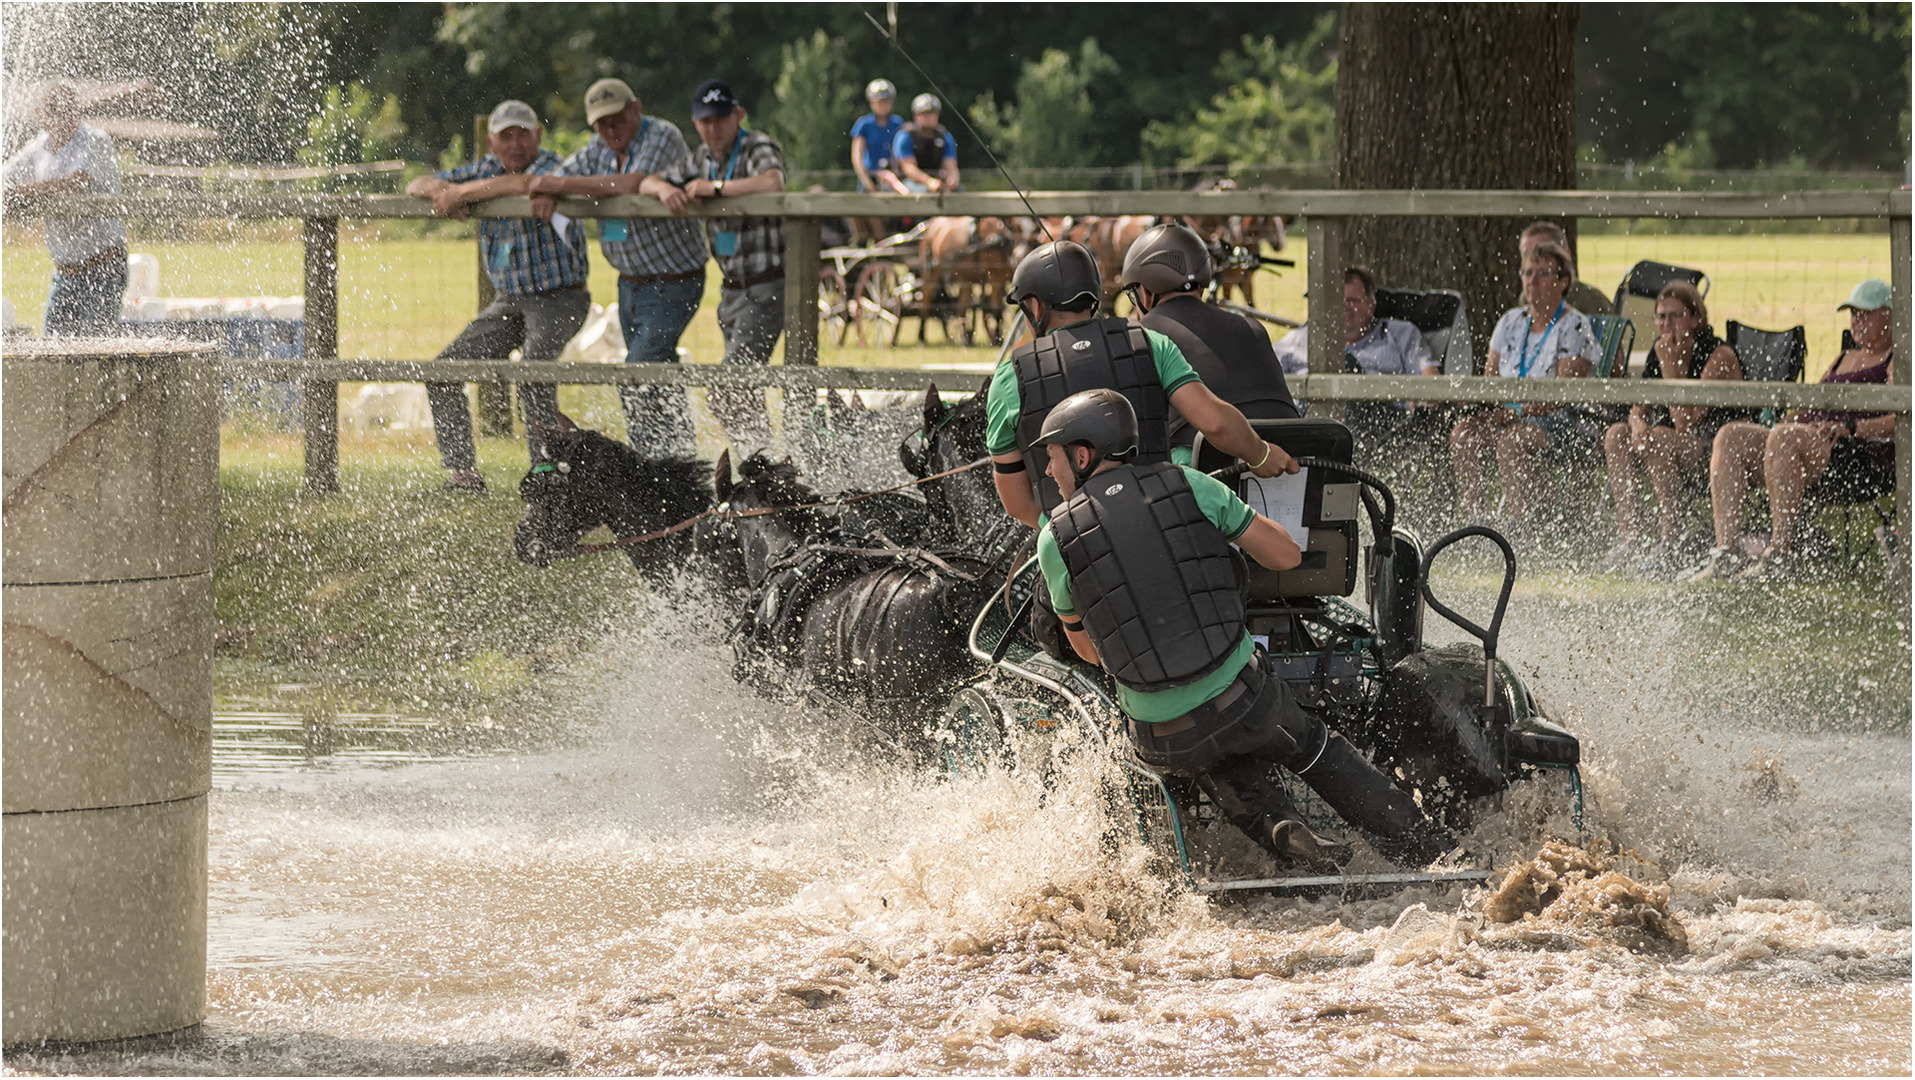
1231, 515
1005, 400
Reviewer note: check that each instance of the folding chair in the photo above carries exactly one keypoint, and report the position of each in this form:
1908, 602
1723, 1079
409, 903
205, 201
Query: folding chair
1438, 314
1769, 356
1636, 296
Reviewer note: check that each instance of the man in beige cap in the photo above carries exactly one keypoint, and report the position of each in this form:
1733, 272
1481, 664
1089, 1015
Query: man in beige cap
537, 269
660, 261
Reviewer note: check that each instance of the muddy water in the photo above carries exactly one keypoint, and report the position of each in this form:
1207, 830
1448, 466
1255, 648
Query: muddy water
718, 884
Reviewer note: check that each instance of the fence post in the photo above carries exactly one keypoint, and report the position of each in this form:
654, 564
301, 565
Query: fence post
1326, 296
1902, 280
321, 396
495, 398
802, 262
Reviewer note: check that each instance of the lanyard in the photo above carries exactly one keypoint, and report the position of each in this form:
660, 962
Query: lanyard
1522, 368
731, 162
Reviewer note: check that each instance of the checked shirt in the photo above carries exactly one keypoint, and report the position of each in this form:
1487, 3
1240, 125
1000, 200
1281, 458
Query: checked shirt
525, 255
651, 246
761, 241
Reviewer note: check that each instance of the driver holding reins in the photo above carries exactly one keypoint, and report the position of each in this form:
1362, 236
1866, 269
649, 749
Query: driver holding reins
1059, 289
1136, 558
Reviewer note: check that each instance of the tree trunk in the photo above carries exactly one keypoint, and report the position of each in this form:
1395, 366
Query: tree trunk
1454, 96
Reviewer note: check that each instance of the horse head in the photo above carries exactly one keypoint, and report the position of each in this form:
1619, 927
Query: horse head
763, 484
589, 480
953, 435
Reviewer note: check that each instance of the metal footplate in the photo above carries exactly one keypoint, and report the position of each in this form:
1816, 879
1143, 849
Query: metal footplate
1350, 882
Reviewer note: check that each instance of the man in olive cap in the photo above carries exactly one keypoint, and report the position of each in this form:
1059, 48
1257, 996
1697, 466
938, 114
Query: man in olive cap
660, 261
537, 270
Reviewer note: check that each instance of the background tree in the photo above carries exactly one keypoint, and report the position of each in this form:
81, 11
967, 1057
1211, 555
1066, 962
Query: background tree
1279, 108
1050, 124
814, 103
1454, 96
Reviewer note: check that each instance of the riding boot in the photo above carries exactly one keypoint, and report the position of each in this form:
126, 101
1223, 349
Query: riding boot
1244, 794
1364, 797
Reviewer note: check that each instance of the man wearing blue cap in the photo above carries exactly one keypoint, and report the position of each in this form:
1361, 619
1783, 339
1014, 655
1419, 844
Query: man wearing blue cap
538, 271
730, 161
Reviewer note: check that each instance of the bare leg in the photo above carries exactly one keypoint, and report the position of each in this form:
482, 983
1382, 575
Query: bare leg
1469, 442
1796, 456
1517, 448
1622, 464
1666, 455
1735, 466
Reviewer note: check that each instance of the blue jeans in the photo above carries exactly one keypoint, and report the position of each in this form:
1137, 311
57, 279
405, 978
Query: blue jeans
86, 303
653, 317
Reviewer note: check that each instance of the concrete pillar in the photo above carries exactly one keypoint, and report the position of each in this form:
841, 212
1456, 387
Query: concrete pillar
111, 503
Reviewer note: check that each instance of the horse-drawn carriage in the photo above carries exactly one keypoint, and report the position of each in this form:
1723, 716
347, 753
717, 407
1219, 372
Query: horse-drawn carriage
1452, 725
947, 268
958, 269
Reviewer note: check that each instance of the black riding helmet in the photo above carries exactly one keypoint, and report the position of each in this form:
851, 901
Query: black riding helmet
1100, 419
1167, 259
1061, 275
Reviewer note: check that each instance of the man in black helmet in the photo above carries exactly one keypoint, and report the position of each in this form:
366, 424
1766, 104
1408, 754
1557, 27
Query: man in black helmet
1137, 563
1058, 288
1166, 272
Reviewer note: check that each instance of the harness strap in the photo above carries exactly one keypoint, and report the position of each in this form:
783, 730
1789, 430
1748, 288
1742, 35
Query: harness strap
734, 515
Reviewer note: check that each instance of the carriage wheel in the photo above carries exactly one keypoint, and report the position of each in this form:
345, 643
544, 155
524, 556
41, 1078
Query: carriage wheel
834, 303
878, 300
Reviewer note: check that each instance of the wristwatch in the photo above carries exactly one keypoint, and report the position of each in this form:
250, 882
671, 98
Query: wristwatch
718, 188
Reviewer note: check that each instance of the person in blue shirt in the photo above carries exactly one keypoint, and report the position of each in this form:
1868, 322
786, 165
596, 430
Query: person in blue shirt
925, 153
537, 266
872, 137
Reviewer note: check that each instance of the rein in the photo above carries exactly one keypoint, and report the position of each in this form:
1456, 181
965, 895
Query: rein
728, 514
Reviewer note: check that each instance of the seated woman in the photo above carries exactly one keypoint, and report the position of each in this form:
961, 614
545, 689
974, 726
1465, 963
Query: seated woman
1667, 445
1847, 455
1544, 339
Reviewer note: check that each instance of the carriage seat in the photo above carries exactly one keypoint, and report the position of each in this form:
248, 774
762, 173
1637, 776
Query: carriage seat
1324, 508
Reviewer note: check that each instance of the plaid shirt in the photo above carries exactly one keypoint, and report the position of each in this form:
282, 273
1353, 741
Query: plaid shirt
651, 245
525, 255
761, 241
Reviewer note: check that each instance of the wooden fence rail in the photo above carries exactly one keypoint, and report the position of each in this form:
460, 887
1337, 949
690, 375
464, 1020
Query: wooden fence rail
1326, 213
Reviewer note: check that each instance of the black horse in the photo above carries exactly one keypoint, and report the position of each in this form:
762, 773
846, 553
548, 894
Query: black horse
843, 610
965, 504
590, 480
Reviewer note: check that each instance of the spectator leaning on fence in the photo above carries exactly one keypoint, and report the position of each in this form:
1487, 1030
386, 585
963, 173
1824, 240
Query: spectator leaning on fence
1831, 454
89, 254
924, 151
872, 137
537, 269
1668, 445
731, 160
1583, 296
660, 261
1545, 338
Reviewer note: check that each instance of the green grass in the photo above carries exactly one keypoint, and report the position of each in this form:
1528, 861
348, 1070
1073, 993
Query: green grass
404, 592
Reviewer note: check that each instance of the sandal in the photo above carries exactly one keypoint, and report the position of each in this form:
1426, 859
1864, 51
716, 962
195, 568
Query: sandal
1771, 565
1719, 564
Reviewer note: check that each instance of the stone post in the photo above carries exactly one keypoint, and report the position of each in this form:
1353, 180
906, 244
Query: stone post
111, 504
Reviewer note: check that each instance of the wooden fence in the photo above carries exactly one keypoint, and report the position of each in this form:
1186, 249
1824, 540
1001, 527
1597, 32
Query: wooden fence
1325, 212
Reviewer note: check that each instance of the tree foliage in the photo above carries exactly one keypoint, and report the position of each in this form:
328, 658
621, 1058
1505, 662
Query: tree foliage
350, 128
814, 102
1049, 123
1280, 107
1747, 85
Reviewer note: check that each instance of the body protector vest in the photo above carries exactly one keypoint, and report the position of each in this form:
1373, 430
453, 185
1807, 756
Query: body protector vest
1153, 580
927, 146
1233, 357
1102, 354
